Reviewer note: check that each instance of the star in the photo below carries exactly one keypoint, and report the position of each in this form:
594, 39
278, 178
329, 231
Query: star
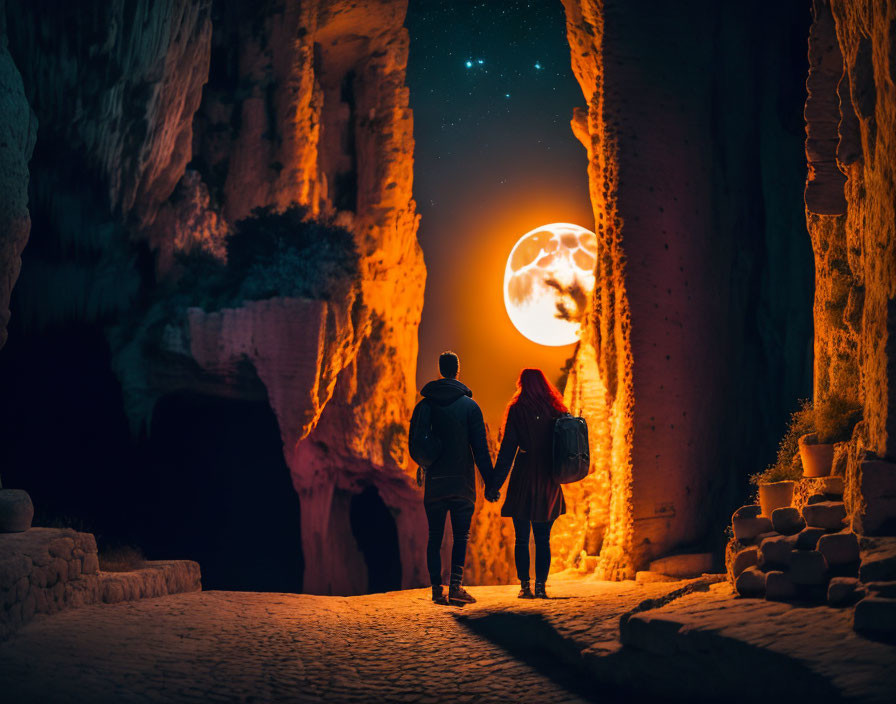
538, 65
469, 64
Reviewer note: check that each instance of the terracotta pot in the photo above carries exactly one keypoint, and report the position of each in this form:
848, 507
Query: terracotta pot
775, 495
817, 457
16, 511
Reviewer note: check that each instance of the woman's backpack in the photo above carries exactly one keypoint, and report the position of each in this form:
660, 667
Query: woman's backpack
423, 443
570, 451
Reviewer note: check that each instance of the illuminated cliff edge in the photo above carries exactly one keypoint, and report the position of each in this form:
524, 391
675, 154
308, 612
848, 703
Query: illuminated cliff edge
702, 262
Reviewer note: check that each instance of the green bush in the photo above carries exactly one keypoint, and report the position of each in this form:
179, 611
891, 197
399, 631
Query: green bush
784, 468
271, 254
835, 418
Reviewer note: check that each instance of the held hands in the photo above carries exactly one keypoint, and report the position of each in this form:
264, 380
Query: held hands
492, 495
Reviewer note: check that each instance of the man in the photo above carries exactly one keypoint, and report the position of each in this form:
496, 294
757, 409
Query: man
450, 486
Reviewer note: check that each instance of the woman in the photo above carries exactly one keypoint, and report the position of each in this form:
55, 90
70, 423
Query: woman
534, 499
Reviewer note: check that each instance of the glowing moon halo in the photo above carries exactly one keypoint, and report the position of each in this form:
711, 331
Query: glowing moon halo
561, 252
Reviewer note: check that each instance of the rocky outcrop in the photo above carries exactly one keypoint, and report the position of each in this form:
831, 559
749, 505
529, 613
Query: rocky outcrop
18, 128
365, 163
269, 105
852, 47
682, 370
323, 120
116, 101
287, 350
120, 93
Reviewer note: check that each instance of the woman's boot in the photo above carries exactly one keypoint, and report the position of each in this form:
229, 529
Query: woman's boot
525, 591
540, 593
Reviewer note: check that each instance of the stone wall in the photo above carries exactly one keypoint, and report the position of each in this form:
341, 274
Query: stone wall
695, 345
45, 570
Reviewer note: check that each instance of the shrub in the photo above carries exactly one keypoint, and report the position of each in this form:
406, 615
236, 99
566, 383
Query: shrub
784, 468
283, 254
835, 418
271, 254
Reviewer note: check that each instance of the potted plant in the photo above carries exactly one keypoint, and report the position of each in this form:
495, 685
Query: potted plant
834, 418
776, 482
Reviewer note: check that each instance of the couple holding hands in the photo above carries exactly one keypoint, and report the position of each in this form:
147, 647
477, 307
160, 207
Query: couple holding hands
534, 498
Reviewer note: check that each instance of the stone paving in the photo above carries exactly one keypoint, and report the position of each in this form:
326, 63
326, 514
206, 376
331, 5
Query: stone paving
712, 640
246, 646
400, 647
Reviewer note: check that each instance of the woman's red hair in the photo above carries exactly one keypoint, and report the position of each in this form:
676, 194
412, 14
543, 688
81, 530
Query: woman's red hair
536, 393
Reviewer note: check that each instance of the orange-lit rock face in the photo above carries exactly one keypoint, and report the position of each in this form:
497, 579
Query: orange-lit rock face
679, 320
599, 519
272, 105
326, 123
851, 54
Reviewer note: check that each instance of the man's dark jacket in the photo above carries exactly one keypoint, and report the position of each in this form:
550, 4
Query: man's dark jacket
457, 420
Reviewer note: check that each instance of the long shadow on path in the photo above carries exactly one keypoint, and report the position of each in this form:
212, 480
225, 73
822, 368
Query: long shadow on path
529, 638
707, 668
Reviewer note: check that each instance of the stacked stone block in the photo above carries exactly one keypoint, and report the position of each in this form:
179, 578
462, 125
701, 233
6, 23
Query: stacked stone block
797, 552
815, 554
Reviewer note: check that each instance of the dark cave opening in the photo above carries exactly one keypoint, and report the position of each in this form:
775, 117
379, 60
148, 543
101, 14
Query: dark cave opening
218, 491
209, 484
376, 534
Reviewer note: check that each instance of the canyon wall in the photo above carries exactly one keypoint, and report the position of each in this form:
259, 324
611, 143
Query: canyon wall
18, 128
163, 124
850, 202
696, 342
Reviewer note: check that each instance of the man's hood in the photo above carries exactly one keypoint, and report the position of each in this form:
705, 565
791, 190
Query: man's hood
445, 391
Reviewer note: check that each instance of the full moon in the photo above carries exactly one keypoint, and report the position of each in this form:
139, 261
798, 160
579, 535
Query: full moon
543, 264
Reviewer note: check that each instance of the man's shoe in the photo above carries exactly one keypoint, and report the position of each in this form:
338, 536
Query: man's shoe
457, 594
438, 596
525, 591
540, 593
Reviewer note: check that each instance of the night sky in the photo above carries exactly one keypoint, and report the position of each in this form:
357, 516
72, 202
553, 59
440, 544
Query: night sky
492, 92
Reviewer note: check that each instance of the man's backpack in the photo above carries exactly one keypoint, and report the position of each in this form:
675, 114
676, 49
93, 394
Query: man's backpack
570, 451
423, 443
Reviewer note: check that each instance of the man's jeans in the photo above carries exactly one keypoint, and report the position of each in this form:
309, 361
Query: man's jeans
461, 512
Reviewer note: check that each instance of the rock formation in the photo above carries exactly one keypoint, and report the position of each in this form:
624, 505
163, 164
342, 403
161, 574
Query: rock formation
693, 347
269, 105
18, 128
852, 221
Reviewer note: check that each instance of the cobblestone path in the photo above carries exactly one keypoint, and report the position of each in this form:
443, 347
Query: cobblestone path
248, 646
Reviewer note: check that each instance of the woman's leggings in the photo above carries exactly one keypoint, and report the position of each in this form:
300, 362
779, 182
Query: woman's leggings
542, 533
